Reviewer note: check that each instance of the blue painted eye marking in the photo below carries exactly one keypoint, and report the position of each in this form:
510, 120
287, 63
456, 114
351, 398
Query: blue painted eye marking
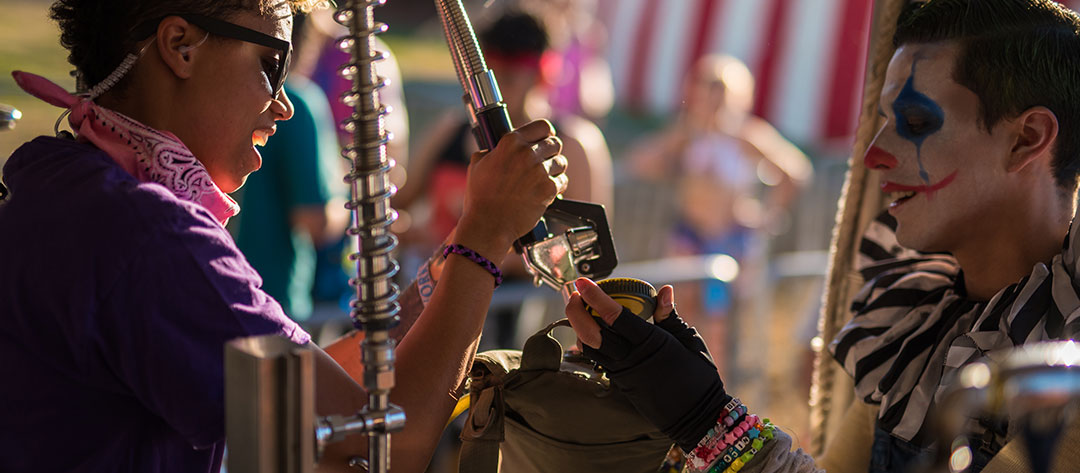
917, 116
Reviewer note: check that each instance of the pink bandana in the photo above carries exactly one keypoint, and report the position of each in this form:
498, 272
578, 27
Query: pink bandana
148, 154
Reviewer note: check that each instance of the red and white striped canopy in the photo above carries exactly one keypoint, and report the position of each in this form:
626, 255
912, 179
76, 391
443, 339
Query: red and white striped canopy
808, 56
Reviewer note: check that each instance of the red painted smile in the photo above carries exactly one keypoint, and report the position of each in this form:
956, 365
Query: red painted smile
930, 189
901, 193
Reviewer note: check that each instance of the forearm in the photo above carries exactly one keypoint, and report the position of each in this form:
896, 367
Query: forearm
776, 457
508, 190
434, 359
345, 350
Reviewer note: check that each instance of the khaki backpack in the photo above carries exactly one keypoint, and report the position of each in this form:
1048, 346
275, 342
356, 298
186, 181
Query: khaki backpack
547, 411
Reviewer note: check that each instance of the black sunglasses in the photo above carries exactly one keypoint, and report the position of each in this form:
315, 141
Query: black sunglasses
275, 72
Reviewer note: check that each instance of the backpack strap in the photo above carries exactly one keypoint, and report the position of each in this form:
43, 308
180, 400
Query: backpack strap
485, 423
483, 432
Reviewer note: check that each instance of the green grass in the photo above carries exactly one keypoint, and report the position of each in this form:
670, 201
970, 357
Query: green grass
421, 58
30, 42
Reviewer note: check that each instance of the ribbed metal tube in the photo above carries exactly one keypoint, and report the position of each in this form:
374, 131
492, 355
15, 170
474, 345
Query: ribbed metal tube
459, 34
375, 309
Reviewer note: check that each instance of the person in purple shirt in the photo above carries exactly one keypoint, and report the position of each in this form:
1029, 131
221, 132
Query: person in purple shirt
119, 285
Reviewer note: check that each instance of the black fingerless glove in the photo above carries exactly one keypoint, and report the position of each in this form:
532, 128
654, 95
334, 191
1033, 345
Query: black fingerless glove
666, 371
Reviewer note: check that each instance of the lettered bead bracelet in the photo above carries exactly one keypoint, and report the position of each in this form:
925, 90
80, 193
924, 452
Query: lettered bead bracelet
751, 443
703, 455
755, 447
719, 436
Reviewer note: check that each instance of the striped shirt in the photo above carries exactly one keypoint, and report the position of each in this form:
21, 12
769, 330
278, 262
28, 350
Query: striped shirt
913, 327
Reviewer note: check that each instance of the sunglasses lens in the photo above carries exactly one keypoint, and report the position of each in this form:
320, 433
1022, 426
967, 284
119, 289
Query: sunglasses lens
282, 73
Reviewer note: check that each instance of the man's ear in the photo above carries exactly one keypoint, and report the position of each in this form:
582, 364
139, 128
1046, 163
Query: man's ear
176, 44
1036, 133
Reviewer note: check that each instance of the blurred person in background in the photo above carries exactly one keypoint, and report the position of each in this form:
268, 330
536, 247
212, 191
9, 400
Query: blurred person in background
578, 75
331, 290
515, 45
735, 177
293, 227
294, 203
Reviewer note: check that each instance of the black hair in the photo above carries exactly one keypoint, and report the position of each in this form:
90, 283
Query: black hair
514, 33
99, 33
1014, 55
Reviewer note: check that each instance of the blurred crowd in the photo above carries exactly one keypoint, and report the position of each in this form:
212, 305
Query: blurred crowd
722, 179
712, 184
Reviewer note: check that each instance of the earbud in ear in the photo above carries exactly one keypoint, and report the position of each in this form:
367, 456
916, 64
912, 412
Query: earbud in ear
185, 49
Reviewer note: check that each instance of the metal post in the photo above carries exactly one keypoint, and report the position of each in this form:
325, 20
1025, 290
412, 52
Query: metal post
375, 309
270, 405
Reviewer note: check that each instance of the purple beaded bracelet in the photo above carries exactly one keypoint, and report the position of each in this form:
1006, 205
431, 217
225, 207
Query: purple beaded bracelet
476, 258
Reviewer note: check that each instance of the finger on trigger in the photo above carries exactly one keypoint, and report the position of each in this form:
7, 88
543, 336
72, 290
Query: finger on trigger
588, 331
602, 303
665, 303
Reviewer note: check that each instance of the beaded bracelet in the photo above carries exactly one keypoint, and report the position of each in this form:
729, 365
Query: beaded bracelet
476, 258
711, 436
732, 405
737, 448
755, 447
705, 454
735, 458
734, 415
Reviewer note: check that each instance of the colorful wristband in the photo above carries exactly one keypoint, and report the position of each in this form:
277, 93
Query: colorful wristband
754, 446
476, 258
425, 284
706, 454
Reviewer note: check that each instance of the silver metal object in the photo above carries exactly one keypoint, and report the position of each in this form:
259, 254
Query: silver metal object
554, 261
484, 90
1037, 386
375, 309
335, 428
8, 116
472, 70
270, 405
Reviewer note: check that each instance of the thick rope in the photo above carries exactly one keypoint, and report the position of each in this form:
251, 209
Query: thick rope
831, 390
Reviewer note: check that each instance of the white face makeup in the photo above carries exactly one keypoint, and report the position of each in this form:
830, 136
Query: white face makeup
938, 165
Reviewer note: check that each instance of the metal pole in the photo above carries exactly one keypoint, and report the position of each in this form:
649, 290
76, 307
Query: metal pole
375, 309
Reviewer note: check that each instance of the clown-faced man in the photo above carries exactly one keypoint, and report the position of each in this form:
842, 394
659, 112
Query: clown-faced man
978, 156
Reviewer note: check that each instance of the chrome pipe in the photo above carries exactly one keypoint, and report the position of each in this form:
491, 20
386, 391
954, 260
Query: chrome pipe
375, 309
487, 112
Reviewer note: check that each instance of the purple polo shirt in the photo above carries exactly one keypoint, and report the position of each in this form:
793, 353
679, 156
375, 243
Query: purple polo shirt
115, 301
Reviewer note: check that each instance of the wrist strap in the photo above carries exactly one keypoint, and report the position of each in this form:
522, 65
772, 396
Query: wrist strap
425, 284
476, 258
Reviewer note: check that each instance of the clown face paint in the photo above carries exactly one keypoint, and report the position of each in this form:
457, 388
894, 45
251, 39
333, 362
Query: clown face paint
917, 117
941, 171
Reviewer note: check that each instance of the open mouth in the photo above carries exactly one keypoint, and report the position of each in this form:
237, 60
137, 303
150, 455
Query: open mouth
897, 199
259, 137
899, 194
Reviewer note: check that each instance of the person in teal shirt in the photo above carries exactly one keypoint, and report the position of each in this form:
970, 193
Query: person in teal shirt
294, 202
